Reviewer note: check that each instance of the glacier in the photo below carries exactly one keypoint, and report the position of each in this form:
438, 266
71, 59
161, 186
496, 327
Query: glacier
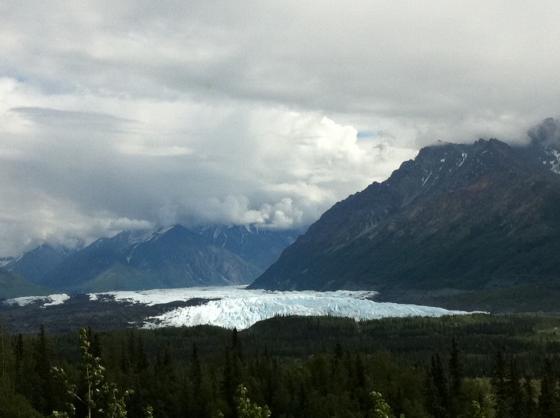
237, 307
45, 301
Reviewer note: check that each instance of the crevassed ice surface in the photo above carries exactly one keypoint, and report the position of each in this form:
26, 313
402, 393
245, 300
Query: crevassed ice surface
236, 307
159, 296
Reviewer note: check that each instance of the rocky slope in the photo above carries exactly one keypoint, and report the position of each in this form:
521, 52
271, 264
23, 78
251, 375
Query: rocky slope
459, 218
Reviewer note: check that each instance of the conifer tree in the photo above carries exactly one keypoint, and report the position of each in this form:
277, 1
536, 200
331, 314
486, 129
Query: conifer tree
499, 383
42, 390
196, 370
229, 383
18, 350
193, 385
515, 393
548, 405
440, 389
530, 406
95, 342
18, 359
141, 359
124, 361
456, 379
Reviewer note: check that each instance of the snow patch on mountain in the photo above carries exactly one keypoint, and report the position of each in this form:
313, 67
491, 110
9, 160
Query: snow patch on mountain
4, 261
555, 162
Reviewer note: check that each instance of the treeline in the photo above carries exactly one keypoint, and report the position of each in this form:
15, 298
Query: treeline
290, 367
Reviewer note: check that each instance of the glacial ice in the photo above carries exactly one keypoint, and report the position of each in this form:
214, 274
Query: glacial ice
237, 307
46, 301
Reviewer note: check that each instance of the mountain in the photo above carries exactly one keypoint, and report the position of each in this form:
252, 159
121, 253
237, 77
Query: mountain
12, 286
34, 265
4, 261
260, 246
470, 220
171, 257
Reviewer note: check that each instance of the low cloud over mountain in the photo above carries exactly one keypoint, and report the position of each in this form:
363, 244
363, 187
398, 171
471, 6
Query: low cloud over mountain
133, 116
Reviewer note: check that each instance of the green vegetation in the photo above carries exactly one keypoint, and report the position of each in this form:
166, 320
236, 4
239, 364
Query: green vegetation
450, 367
532, 297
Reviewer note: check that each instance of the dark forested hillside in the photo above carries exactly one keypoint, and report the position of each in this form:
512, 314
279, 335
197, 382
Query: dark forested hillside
470, 366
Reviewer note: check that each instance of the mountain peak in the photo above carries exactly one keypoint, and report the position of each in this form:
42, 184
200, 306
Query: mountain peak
449, 166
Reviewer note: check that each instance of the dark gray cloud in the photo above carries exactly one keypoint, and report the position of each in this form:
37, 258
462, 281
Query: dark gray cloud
546, 133
69, 119
132, 113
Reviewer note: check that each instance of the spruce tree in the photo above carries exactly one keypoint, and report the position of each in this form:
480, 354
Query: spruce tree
229, 384
42, 388
499, 384
18, 359
548, 404
439, 384
141, 359
456, 379
196, 369
530, 406
516, 397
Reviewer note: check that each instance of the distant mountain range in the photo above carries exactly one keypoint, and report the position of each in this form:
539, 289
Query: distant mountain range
176, 256
474, 226
12, 286
37, 263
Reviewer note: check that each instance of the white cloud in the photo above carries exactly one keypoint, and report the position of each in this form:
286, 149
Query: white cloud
70, 173
125, 114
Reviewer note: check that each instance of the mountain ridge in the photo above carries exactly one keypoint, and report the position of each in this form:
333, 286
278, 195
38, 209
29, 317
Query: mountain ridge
445, 220
173, 256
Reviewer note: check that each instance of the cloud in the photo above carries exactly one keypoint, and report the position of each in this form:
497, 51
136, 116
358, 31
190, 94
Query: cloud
546, 133
129, 114
72, 175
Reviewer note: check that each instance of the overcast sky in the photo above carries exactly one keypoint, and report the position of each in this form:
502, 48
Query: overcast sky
119, 114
